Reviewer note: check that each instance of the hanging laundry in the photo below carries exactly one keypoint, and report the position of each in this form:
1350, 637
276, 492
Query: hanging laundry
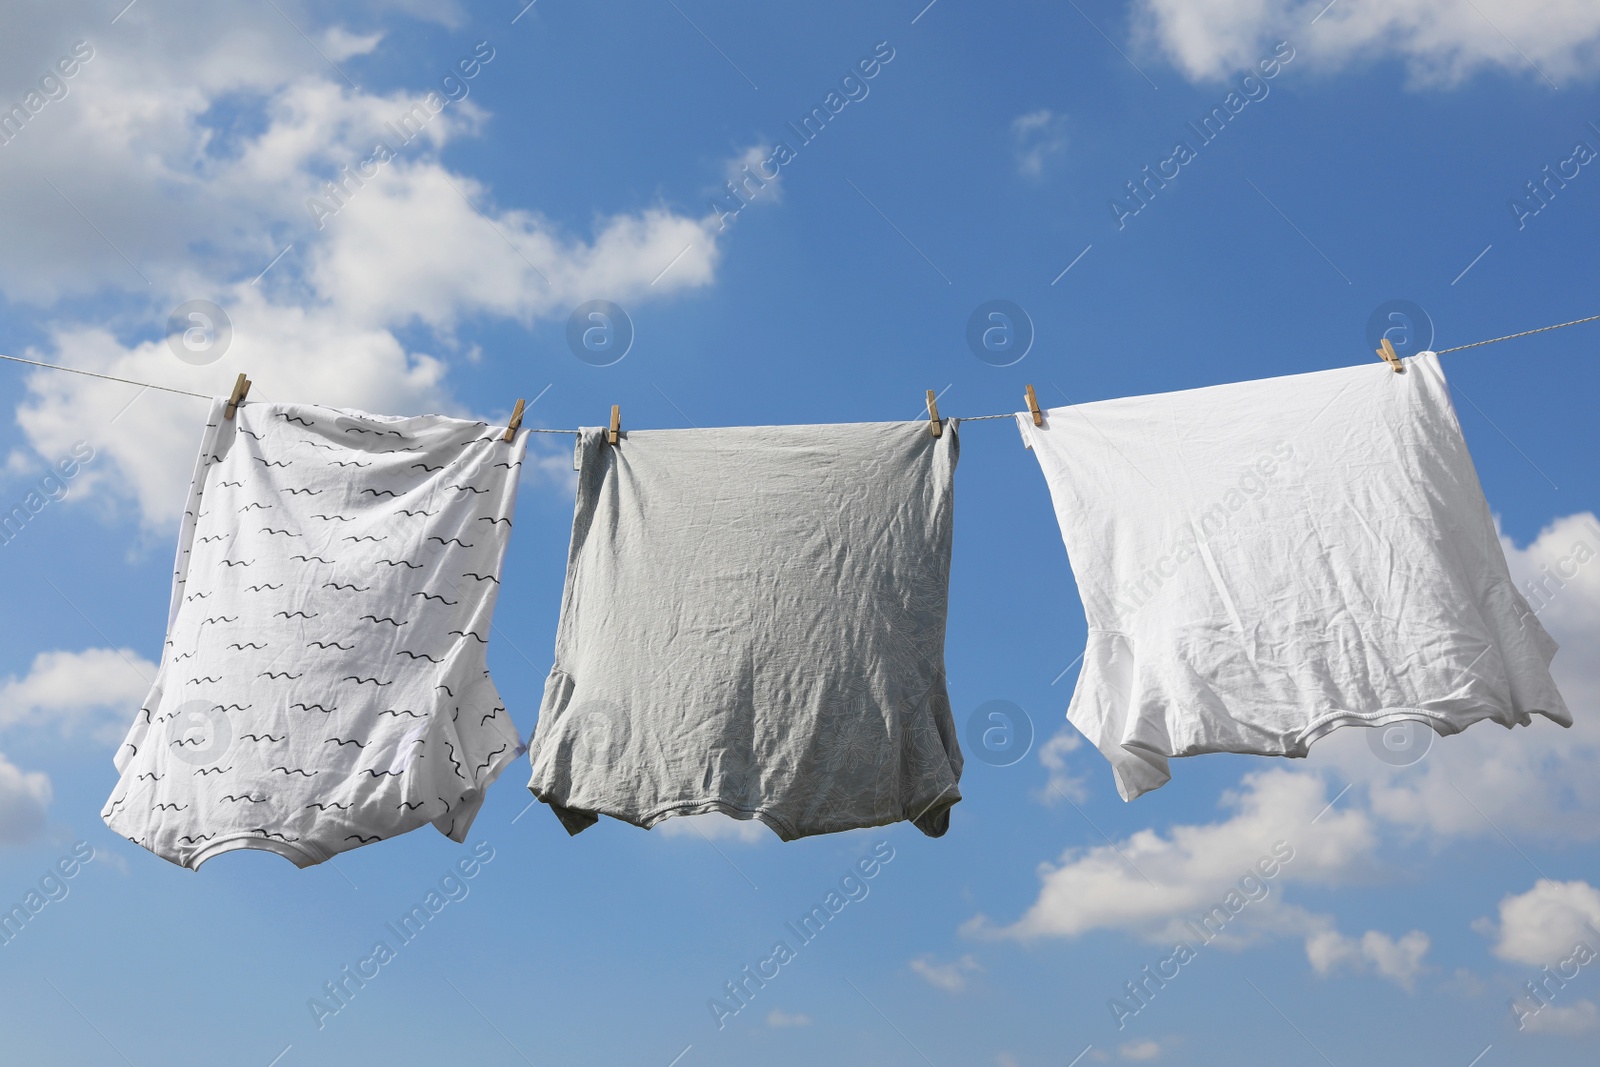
1261, 563
323, 684
753, 623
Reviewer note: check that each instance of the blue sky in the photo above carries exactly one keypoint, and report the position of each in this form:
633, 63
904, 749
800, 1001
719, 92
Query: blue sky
584, 160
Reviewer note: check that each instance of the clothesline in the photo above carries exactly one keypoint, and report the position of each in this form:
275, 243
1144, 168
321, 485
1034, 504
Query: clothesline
538, 429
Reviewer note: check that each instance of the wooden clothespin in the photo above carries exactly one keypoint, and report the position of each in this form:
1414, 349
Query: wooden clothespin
1386, 350
615, 433
934, 426
241, 389
516, 421
1033, 407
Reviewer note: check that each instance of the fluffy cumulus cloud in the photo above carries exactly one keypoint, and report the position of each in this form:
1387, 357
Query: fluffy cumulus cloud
93, 692
1139, 1051
1569, 1020
1150, 883
1442, 42
97, 689
1038, 136
151, 182
1529, 784
1398, 960
24, 797
950, 977
1061, 783
1541, 927
779, 1019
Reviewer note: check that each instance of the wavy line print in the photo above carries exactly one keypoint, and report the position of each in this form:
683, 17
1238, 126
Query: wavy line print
386, 619
273, 462
425, 514
468, 633
358, 839
220, 618
343, 741
263, 585
438, 597
263, 737
402, 563
305, 492
334, 518
418, 655
350, 463
350, 585
242, 645
294, 615
452, 750
397, 712
293, 418
381, 774
364, 537
482, 577
364, 681
315, 707
378, 492
297, 770
280, 674
202, 772
252, 507
450, 541
245, 796
468, 489
270, 530
427, 468
490, 760
325, 805
329, 644
317, 559
237, 562
496, 521
411, 805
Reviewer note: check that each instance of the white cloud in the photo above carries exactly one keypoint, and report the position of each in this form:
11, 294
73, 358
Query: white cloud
24, 796
1542, 926
1150, 882
1139, 1050
1061, 782
1565, 1020
1374, 952
950, 977
715, 826
1039, 135
99, 688
1441, 42
778, 1019
199, 174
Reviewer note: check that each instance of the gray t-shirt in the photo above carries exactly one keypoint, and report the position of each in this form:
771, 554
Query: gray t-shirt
753, 623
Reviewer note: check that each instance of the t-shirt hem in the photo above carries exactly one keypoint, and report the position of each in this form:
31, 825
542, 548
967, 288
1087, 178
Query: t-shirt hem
302, 854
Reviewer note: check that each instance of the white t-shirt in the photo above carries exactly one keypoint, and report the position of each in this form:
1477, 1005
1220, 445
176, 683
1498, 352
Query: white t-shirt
1263, 562
324, 682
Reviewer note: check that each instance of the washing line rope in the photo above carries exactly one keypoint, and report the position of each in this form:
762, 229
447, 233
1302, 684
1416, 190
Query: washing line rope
538, 429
